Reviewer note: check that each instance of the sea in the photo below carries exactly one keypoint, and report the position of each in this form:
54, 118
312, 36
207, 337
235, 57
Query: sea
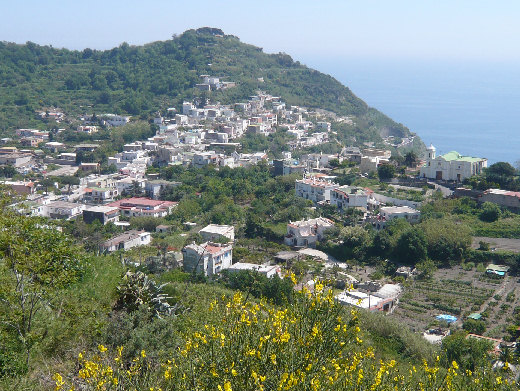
472, 107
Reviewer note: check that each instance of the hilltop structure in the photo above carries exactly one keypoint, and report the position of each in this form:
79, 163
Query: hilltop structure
451, 166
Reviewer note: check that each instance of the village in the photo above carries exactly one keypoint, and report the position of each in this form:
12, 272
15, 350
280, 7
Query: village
200, 135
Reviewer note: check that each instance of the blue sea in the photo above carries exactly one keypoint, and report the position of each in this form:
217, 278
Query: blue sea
470, 107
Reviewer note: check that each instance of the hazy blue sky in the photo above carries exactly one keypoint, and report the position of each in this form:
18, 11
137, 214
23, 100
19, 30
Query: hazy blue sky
420, 29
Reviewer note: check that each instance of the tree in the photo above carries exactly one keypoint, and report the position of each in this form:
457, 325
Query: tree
398, 158
447, 241
334, 163
411, 247
501, 169
356, 239
490, 212
386, 171
411, 159
426, 269
38, 261
474, 326
468, 353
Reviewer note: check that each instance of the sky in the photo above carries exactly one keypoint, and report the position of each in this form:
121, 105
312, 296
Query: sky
307, 30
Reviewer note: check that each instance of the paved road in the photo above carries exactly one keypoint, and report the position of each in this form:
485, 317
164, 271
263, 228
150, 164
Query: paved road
446, 192
318, 254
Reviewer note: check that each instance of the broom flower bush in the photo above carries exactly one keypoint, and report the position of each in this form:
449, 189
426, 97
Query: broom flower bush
312, 344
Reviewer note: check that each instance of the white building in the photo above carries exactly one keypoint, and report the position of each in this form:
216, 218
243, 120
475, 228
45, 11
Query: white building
324, 126
305, 233
208, 258
62, 210
267, 270
126, 241
214, 232
388, 213
100, 194
345, 197
385, 299
370, 163
116, 120
451, 166
314, 189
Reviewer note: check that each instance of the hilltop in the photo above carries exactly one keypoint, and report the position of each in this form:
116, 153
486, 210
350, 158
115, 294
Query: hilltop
138, 80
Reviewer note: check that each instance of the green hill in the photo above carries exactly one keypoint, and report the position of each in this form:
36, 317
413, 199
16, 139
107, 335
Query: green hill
139, 80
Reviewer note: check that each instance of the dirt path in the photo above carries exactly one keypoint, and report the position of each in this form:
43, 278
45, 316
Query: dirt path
498, 243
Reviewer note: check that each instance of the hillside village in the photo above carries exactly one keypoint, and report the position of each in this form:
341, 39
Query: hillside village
201, 134
143, 214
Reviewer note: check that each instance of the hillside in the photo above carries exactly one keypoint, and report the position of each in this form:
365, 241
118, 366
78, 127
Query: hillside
139, 80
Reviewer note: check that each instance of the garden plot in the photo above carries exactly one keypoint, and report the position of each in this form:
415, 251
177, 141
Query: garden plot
451, 291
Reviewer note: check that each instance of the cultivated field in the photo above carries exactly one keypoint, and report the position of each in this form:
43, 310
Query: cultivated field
459, 292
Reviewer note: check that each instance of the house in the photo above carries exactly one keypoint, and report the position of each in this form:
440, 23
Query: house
352, 154
383, 299
100, 194
115, 120
288, 167
4, 150
323, 126
388, 213
345, 197
214, 232
15, 159
127, 241
451, 166
505, 198
55, 146
34, 133
88, 129
128, 185
267, 270
30, 141
103, 214
208, 258
305, 233
153, 188
202, 159
371, 163
89, 167
21, 188
86, 147
141, 206
62, 210
314, 188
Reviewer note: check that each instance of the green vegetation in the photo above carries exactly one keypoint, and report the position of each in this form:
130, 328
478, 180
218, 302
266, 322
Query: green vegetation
138, 80
500, 175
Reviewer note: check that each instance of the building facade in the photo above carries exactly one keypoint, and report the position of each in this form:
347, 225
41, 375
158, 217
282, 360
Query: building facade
208, 258
305, 233
451, 166
314, 189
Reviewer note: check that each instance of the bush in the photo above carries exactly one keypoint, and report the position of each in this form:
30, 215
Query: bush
474, 326
490, 212
258, 347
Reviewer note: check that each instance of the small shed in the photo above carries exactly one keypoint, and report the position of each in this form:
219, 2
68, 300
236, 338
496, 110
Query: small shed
475, 316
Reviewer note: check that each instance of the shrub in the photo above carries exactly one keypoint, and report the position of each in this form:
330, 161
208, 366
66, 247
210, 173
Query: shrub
311, 345
474, 326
